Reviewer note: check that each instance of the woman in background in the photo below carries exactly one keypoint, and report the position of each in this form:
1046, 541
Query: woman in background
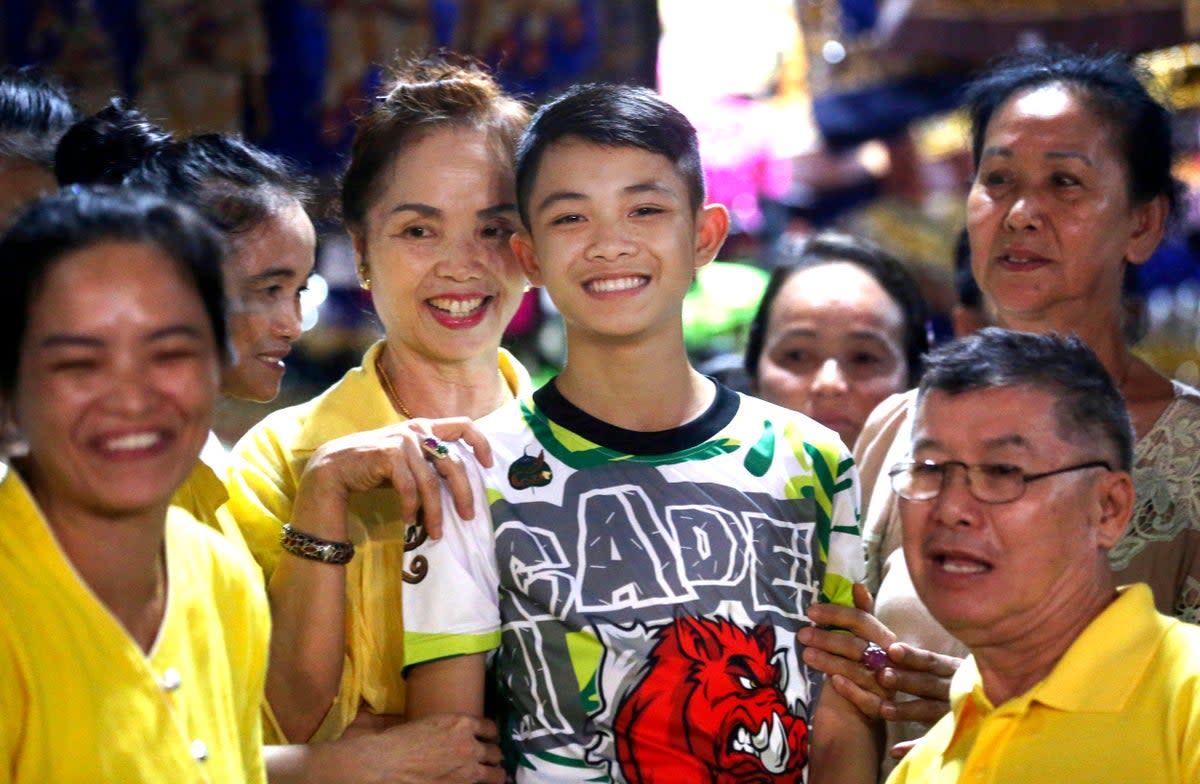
257, 202
133, 641
840, 327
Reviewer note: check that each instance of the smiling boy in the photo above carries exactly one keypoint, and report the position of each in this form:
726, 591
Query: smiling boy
654, 537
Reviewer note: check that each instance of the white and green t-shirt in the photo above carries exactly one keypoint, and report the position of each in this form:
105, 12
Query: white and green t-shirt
644, 589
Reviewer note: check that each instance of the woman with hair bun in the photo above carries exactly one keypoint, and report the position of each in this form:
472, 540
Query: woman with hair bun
430, 204
257, 203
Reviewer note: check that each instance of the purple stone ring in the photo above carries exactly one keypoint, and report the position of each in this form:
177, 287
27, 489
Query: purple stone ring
435, 449
874, 657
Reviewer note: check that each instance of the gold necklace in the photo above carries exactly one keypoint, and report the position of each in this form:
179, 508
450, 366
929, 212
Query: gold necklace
388, 389
395, 400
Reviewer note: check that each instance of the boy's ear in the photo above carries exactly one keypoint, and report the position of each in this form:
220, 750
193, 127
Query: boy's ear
712, 224
522, 245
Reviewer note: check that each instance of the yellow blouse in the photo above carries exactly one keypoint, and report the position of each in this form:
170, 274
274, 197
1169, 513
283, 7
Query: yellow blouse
83, 703
264, 475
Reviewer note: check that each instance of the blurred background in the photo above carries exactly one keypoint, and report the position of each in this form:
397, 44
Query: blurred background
811, 113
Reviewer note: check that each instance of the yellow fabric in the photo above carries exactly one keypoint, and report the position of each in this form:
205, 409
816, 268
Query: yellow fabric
80, 700
1122, 706
203, 494
265, 469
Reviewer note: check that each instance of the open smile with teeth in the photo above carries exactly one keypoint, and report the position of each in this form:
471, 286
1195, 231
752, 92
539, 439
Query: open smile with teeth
955, 565
769, 744
606, 285
132, 442
1024, 258
458, 307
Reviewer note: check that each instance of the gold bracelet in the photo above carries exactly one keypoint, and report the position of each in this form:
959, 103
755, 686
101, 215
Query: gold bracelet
315, 548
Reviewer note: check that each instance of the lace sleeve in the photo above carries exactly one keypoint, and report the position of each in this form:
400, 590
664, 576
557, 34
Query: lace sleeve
1166, 473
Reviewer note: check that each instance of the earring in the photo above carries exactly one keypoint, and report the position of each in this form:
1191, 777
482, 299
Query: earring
364, 280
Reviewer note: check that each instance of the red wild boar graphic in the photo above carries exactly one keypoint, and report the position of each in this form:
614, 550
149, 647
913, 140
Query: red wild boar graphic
711, 708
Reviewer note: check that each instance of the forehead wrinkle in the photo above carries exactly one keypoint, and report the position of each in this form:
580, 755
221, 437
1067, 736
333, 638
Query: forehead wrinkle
424, 210
497, 209
1070, 155
276, 272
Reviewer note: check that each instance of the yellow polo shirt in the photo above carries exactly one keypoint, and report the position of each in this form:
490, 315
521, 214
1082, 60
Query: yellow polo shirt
1122, 706
264, 475
80, 702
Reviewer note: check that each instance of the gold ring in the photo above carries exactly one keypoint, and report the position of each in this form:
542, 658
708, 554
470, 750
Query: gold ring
435, 448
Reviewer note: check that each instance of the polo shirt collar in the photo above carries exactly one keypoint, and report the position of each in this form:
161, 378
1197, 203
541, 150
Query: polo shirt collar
1098, 673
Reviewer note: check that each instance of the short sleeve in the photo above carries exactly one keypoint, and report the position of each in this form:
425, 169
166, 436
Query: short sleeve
844, 565
262, 485
451, 599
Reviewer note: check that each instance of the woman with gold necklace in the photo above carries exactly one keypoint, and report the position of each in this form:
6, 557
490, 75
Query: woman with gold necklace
324, 490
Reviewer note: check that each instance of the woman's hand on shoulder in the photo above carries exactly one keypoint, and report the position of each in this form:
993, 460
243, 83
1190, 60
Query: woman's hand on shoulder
396, 456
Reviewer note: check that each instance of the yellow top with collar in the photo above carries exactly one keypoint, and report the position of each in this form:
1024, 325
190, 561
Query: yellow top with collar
82, 702
264, 474
1122, 706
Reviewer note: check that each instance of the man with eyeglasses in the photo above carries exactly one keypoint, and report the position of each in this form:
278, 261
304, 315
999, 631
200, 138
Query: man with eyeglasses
1017, 486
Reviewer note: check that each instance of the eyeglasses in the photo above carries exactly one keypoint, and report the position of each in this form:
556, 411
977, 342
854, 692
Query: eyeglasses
991, 483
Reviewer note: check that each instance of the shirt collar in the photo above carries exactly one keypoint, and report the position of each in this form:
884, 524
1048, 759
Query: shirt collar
357, 402
1113, 650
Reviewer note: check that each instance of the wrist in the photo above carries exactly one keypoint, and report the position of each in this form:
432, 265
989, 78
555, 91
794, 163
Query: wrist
315, 548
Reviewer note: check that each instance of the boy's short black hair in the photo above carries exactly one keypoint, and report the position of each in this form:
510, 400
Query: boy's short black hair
611, 115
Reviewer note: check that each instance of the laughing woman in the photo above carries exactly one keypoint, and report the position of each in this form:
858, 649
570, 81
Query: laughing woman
133, 641
430, 204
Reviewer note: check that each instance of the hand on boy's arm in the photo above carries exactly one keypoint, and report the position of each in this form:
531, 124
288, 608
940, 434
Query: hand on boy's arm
838, 654
393, 456
914, 671
442, 749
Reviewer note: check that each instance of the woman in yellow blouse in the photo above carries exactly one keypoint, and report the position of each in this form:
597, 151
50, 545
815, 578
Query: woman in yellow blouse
133, 641
430, 204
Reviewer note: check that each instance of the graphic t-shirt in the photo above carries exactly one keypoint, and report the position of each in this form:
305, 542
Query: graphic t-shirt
644, 589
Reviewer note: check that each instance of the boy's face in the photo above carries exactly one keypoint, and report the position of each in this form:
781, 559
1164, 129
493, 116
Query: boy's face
614, 240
